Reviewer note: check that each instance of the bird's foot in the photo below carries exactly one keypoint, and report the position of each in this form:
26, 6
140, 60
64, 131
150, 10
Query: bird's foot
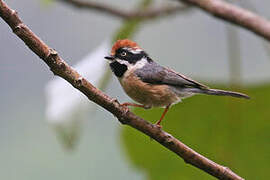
125, 107
135, 105
158, 125
114, 100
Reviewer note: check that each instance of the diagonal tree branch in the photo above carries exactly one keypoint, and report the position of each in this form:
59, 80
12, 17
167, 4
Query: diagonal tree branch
236, 15
120, 13
59, 67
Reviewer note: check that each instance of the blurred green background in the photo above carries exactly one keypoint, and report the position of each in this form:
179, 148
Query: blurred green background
232, 132
229, 131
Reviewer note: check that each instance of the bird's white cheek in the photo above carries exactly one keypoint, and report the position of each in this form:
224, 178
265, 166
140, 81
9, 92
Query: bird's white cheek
122, 61
140, 63
129, 66
135, 66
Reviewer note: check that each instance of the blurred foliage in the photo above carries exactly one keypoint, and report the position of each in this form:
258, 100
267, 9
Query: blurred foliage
47, 2
232, 132
130, 26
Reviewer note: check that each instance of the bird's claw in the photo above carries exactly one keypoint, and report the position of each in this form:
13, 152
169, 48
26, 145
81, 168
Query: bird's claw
114, 100
125, 107
158, 125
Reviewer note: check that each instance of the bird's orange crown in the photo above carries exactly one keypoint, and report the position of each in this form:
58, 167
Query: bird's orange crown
123, 43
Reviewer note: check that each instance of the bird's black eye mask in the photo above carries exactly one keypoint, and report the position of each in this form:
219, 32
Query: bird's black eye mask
126, 55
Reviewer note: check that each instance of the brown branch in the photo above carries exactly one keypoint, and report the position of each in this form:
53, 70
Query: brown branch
120, 13
218, 8
59, 67
236, 15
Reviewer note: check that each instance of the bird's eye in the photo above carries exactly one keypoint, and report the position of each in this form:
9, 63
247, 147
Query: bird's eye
123, 53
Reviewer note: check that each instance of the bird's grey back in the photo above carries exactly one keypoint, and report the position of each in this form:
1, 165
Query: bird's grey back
154, 73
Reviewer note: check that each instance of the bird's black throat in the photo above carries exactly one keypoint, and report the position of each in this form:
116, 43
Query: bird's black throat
118, 69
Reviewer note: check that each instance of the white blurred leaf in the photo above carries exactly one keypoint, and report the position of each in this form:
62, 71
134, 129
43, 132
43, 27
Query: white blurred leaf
66, 107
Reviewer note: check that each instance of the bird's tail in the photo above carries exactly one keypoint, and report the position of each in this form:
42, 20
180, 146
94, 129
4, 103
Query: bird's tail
218, 92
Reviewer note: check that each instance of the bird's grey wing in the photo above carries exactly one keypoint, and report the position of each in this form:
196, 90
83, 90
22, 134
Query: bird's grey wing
155, 74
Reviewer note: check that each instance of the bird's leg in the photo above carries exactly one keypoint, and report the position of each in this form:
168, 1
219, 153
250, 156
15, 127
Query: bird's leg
162, 116
134, 105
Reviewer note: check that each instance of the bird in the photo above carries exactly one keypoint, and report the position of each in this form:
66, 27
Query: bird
153, 85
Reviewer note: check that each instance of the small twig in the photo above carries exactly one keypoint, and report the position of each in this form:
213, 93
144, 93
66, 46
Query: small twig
248, 4
233, 14
120, 13
59, 67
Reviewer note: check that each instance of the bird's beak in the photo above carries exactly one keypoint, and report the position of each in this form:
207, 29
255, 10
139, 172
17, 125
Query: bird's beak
110, 58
